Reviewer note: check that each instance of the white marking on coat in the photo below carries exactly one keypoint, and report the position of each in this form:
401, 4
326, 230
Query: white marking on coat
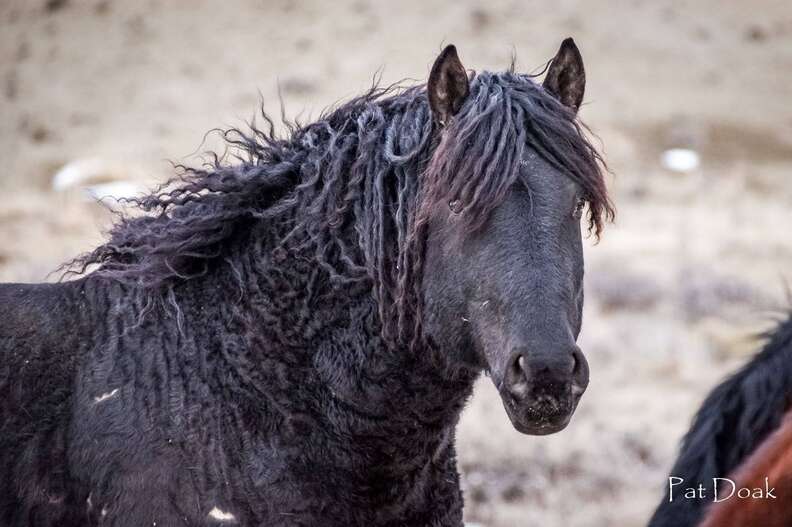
105, 396
222, 516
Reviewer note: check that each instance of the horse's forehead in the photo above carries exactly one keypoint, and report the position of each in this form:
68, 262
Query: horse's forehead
540, 176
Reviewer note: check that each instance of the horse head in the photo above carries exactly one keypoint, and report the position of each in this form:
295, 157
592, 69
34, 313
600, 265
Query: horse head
505, 291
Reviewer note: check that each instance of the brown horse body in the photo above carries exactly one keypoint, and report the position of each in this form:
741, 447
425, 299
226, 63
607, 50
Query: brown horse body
770, 464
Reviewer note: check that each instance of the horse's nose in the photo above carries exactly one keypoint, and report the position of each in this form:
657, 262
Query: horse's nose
548, 375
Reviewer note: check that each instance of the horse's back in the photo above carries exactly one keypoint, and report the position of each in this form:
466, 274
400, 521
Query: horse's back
29, 310
39, 348
39, 338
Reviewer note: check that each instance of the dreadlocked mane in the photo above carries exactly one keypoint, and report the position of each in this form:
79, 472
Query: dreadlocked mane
351, 193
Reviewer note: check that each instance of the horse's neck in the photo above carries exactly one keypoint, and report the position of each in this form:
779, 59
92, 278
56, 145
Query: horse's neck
313, 383
326, 339
302, 329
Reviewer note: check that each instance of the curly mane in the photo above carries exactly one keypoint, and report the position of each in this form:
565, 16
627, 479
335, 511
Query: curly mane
352, 190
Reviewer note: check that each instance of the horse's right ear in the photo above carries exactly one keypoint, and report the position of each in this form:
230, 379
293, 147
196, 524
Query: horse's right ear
448, 85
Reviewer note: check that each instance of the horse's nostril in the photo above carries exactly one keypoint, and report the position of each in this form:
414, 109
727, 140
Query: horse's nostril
580, 372
578, 362
516, 377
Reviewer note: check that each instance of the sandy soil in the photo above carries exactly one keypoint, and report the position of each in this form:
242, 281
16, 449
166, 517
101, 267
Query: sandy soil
694, 266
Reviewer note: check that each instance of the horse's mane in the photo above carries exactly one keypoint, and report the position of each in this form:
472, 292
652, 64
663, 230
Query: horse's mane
354, 187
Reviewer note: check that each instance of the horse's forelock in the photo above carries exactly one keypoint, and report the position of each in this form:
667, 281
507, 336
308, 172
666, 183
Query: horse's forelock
479, 155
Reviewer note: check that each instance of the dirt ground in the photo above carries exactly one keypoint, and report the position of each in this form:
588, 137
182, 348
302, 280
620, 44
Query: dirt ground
695, 264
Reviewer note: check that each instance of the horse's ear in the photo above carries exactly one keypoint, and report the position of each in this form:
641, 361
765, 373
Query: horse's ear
448, 85
566, 78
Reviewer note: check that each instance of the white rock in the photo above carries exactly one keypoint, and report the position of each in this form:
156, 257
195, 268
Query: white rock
81, 172
113, 191
680, 160
100, 179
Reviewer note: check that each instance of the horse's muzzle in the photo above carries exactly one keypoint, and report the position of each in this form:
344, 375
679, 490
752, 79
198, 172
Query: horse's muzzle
539, 395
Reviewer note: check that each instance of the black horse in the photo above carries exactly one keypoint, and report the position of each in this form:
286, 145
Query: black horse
734, 420
289, 340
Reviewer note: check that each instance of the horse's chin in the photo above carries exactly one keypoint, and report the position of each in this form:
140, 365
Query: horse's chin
541, 428
530, 420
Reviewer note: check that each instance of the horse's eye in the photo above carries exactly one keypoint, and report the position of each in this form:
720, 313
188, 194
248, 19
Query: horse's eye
579, 206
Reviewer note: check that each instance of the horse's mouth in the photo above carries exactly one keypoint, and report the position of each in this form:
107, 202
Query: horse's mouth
543, 426
540, 417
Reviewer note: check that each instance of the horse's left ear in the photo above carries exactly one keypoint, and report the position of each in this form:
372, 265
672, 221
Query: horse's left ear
566, 78
448, 85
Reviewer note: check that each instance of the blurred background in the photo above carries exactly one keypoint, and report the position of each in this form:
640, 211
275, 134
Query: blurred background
691, 102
